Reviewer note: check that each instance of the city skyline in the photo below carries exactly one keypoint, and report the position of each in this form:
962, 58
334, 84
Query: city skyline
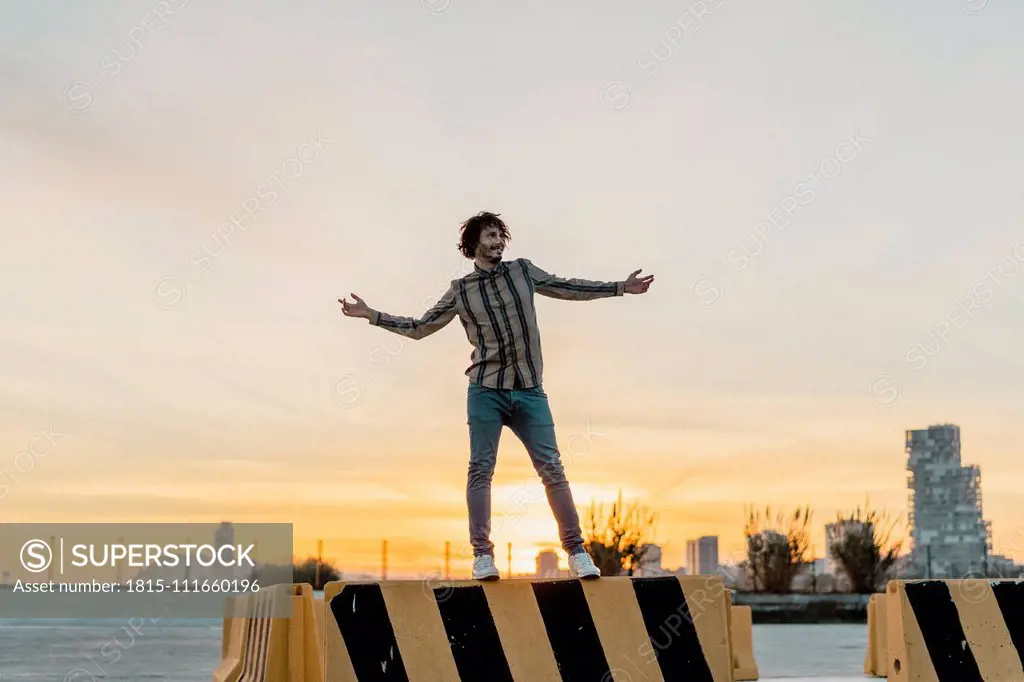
936, 446
942, 447
833, 226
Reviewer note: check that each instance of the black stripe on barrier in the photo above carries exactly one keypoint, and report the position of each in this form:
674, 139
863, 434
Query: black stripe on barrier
1010, 597
363, 620
571, 631
936, 615
472, 635
671, 630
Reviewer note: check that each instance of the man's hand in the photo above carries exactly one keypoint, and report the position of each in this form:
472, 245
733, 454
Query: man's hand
638, 286
357, 309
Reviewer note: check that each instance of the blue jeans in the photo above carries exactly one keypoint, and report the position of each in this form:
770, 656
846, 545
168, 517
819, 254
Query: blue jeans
527, 413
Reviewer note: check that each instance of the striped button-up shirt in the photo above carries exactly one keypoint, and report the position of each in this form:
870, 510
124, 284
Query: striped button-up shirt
496, 310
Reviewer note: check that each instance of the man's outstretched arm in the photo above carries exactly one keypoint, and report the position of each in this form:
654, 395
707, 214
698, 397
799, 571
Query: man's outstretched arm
414, 328
576, 289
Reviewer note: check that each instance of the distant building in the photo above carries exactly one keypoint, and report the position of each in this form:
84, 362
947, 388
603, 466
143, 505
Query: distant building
735, 577
651, 563
547, 564
950, 536
999, 566
224, 535
702, 555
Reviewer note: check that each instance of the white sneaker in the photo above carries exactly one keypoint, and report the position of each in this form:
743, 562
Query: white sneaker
484, 568
582, 566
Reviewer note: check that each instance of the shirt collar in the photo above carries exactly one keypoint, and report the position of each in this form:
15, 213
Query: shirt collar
498, 269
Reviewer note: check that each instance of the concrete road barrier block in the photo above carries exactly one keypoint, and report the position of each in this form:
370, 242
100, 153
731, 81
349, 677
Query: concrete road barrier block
615, 629
955, 630
271, 636
877, 654
741, 628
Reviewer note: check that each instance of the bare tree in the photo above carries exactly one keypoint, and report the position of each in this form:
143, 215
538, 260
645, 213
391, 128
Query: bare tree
619, 541
859, 550
305, 572
776, 550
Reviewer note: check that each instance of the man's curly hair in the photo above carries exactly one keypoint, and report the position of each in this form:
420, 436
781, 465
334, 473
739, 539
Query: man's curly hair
472, 228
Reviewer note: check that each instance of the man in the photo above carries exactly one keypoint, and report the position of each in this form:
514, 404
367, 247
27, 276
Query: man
495, 305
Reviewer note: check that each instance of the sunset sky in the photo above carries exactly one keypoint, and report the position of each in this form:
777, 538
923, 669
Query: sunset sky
827, 194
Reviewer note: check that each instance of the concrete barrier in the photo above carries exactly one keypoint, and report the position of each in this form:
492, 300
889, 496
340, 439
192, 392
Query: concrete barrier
741, 629
876, 656
233, 635
805, 608
271, 636
955, 630
615, 629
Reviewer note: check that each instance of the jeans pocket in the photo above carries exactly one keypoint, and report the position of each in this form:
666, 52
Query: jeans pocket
479, 404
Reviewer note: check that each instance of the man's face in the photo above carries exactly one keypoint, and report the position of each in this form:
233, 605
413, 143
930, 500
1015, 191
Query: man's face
491, 245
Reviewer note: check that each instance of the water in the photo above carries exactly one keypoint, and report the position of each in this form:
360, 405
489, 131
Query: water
37, 650
189, 650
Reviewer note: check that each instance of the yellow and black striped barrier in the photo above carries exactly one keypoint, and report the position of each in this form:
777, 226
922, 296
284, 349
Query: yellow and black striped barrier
955, 630
272, 636
615, 629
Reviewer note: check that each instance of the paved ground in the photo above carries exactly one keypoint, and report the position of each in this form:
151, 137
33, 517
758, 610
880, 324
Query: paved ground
189, 651
804, 652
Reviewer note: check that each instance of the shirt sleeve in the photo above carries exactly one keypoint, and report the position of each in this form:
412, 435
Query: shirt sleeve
431, 321
571, 289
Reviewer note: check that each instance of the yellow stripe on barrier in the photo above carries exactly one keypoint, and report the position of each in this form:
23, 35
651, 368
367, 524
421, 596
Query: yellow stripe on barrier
708, 604
620, 625
418, 631
520, 627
